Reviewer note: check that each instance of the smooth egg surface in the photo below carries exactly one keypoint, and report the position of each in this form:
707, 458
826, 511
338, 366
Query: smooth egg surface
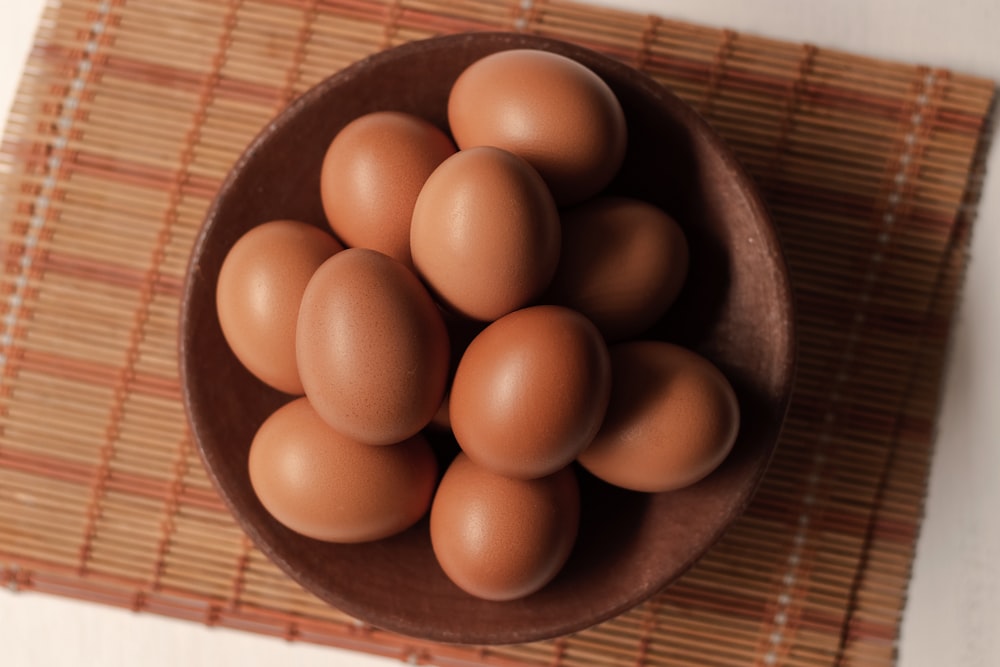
500, 538
622, 264
672, 419
372, 347
371, 176
530, 391
551, 110
258, 292
485, 233
329, 487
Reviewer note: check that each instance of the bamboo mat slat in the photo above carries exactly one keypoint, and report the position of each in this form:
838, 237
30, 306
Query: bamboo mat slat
128, 116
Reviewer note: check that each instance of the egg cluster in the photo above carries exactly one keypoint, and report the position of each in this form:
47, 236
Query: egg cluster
480, 283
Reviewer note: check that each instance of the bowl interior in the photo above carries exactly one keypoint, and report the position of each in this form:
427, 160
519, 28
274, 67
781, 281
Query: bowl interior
735, 309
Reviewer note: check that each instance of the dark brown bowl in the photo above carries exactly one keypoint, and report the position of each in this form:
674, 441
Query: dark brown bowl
735, 309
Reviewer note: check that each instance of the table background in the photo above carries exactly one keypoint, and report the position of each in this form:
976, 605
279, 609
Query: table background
954, 604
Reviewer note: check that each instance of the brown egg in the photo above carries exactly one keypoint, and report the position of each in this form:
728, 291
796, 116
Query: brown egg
372, 347
326, 486
485, 233
551, 110
531, 391
371, 175
673, 418
622, 264
499, 538
257, 296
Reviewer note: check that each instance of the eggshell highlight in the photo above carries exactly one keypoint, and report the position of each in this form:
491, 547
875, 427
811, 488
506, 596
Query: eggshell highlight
485, 233
258, 292
371, 176
551, 110
500, 538
324, 485
372, 347
530, 391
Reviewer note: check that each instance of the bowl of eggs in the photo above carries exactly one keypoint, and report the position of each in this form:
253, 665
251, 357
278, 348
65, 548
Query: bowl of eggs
486, 339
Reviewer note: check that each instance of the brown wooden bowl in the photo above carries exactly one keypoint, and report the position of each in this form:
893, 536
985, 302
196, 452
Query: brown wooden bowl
736, 309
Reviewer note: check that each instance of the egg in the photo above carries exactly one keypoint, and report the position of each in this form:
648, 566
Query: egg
485, 233
530, 391
673, 418
327, 486
622, 264
499, 538
371, 175
372, 349
258, 291
551, 110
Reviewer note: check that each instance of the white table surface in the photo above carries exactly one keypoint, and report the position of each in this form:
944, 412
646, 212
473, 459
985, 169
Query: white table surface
952, 617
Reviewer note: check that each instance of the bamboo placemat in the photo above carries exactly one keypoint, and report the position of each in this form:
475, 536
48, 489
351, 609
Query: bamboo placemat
131, 111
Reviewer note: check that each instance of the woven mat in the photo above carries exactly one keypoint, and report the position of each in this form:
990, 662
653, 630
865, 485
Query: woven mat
131, 111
